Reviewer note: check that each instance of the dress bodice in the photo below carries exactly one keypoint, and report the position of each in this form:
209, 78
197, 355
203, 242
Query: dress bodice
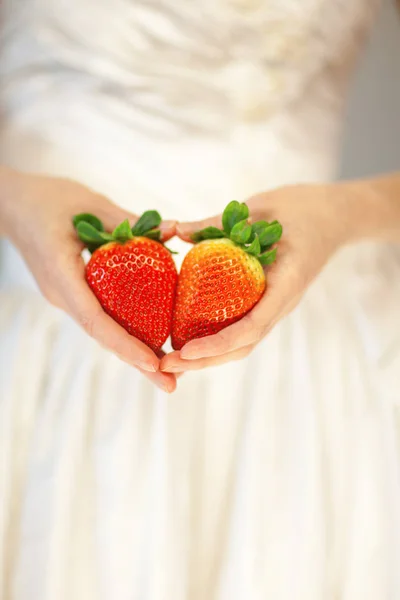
178, 66
177, 102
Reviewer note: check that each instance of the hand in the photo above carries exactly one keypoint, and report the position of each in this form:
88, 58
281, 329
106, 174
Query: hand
36, 214
316, 221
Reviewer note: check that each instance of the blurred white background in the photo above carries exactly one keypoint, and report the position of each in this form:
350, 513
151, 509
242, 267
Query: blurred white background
372, 135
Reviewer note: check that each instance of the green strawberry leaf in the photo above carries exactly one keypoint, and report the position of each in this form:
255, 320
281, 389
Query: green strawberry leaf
268, 257
208, 233
171, 251
233, 213
149, 220
88, 218
254, 247
92, 247
241, 232
122, 232
154, 234
89, 234
258, 227
270, 235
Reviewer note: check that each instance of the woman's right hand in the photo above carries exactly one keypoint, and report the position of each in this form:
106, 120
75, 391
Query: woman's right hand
36, 215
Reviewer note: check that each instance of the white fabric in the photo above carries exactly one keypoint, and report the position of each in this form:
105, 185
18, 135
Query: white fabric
276, 477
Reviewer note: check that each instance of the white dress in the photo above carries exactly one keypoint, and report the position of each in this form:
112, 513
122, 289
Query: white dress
273, 478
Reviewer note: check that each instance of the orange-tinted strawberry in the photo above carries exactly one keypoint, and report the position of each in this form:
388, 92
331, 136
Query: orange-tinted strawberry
132, 275
222, 276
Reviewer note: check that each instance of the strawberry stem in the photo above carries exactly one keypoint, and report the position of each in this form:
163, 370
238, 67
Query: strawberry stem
255, 239
91, 231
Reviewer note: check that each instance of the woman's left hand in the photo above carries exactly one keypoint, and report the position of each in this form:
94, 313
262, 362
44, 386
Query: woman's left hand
316, 220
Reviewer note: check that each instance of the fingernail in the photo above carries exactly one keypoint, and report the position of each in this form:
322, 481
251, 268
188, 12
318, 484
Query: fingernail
147, 367
167, 224
183, 227
171, 369
166, 387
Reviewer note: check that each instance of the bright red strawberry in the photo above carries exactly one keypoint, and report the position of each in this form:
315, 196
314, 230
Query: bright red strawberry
132, 275
222, 276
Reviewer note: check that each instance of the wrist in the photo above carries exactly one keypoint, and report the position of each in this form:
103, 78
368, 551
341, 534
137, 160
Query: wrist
10, 181
372, 207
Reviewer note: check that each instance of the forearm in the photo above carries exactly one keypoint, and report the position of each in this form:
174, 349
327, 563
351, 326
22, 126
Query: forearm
373, 208
9, 180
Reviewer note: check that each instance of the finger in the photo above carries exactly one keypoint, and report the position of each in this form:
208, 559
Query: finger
281, 295
186, 230
168, 230
83, 306
173, 363
161, 355
112, 215
165, 381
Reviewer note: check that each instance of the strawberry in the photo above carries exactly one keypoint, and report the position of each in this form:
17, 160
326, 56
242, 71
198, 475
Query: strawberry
132, 275
222, 276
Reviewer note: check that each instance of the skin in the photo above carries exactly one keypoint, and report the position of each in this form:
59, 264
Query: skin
42, 231
317, 220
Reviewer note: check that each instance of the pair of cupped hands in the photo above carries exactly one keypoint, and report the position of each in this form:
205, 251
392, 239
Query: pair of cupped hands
38, 220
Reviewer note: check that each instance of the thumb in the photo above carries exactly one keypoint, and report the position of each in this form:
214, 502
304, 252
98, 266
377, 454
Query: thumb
186, 230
